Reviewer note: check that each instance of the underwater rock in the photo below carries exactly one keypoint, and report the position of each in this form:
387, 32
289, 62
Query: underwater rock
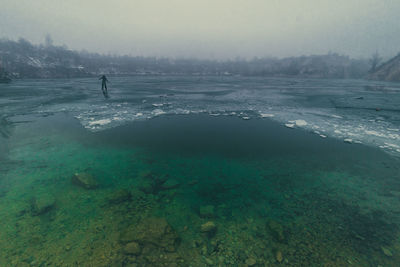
386, 251
207, 211
152, 231
120, 196
170, 184
147, 187
84, 180
208, 227
193, 182
251, 262
277, 231
208, 261
279, 256
132, 248
42, 204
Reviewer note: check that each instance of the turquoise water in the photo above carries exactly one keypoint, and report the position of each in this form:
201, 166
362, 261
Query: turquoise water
196, 188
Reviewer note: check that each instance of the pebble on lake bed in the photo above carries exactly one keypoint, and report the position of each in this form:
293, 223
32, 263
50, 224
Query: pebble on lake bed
279, 256
207, 211
386, 251
132, 248
251, 262
170, 184
208, 227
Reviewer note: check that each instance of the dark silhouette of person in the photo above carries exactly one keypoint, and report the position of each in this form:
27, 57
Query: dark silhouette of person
104, 85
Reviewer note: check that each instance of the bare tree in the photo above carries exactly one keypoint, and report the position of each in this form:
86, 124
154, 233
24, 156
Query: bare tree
374, 61
48, 41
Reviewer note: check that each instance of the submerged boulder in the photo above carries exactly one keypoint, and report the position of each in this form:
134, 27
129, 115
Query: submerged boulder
154, 232
132, 248
277, 231
207, 211
43, 204
208, 227
120, 196
85, 180
170, 184
147, 186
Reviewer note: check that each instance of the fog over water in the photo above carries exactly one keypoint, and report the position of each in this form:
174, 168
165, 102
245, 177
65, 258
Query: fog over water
209, 29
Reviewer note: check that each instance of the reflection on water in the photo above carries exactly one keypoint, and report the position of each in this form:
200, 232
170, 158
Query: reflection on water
5, 127
195, 191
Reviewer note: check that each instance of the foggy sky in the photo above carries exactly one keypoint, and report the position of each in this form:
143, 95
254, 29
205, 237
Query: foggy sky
217, 29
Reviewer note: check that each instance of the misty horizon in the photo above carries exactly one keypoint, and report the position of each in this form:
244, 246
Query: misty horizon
208, 30
233, 58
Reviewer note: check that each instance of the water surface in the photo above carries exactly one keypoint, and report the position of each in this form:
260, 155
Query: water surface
170, 154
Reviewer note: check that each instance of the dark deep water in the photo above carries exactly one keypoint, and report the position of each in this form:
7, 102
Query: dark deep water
185, 171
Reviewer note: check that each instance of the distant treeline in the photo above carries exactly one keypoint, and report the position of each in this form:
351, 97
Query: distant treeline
21, 59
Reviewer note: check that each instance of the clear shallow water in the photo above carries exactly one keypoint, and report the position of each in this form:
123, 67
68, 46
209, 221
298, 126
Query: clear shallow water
277, 196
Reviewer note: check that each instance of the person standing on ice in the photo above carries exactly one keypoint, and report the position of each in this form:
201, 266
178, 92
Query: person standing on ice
104, 85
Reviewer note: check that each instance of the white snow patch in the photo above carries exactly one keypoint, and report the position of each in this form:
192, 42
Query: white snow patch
99, 122
336, 116
158, 112
290, 125
300, 123
266, 115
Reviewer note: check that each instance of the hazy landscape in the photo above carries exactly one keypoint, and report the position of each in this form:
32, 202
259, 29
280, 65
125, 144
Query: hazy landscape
199, 133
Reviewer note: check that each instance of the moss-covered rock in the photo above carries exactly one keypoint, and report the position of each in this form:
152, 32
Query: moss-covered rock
208, 227
277, 231
207, 211
120, 196
132, 248
85, 180
42, 204
152, 231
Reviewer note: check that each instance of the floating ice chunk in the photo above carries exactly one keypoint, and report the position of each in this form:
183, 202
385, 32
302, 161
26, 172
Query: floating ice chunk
184, 111
158, 112
374, 133
214, 114
391, 145
348, 140
246, 118
158, 105
338, 132
336, 116
266, 115
139, 114
300, 123
99, 122
322, 135
144, 101
290, 125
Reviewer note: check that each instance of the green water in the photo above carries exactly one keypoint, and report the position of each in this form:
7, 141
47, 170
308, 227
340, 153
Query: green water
277, 196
